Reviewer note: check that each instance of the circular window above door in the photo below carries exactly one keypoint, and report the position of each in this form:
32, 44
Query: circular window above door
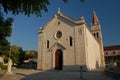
58, 35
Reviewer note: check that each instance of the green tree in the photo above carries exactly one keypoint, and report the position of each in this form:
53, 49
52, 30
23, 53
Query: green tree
5, 31
31, 54
22, 56
15, 54
26, 7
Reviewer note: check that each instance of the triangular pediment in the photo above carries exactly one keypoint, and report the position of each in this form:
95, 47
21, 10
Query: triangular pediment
62, 16
58, 45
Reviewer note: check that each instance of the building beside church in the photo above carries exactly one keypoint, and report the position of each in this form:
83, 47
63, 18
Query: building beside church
111, 54
65, 43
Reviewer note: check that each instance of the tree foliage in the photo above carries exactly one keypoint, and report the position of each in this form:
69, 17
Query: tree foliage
30, 54
5, 31
26, 7
16, 51
17, 55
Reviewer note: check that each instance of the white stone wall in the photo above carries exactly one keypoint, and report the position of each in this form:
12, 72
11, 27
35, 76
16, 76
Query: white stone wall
40, 49
92, 50
80, 45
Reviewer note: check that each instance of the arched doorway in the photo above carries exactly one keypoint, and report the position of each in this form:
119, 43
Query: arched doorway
58, 60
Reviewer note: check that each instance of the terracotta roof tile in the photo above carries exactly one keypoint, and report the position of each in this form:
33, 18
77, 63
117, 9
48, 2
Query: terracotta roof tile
115, 47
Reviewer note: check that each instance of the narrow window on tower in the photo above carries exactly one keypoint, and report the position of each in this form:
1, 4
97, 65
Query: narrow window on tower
94, 35
48, 44
71, 39
97, 35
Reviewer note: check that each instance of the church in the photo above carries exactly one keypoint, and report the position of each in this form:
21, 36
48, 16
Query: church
65, 43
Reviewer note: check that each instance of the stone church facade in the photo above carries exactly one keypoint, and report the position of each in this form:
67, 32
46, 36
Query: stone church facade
66, 44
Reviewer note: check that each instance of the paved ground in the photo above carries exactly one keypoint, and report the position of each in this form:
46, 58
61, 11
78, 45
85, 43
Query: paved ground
23, 74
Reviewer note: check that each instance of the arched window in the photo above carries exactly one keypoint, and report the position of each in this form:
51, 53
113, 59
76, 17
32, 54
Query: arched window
48, 44
71, 41
97, 35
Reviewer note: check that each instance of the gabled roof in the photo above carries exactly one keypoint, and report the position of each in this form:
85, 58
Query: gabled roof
75, 21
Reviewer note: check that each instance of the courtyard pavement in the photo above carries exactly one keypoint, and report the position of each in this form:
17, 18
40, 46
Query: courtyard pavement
27, 74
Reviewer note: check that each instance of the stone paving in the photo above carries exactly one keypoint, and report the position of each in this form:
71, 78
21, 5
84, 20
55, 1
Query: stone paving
23, 74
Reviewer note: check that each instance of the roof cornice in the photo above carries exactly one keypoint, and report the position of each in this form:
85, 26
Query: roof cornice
80, 21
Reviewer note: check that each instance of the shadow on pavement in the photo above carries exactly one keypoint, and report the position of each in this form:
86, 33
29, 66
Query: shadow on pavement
66, 75
115, 75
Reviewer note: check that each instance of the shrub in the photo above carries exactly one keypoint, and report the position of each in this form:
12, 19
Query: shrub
3, 67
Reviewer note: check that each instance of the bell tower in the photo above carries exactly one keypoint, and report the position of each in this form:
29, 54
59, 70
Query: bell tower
97, 33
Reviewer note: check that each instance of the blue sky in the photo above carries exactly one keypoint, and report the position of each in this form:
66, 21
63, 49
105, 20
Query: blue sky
108, 12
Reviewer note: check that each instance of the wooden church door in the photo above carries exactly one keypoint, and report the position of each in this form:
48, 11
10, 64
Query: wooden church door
58, 60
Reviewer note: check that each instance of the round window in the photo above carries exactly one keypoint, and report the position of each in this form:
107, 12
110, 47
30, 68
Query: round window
59, 34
